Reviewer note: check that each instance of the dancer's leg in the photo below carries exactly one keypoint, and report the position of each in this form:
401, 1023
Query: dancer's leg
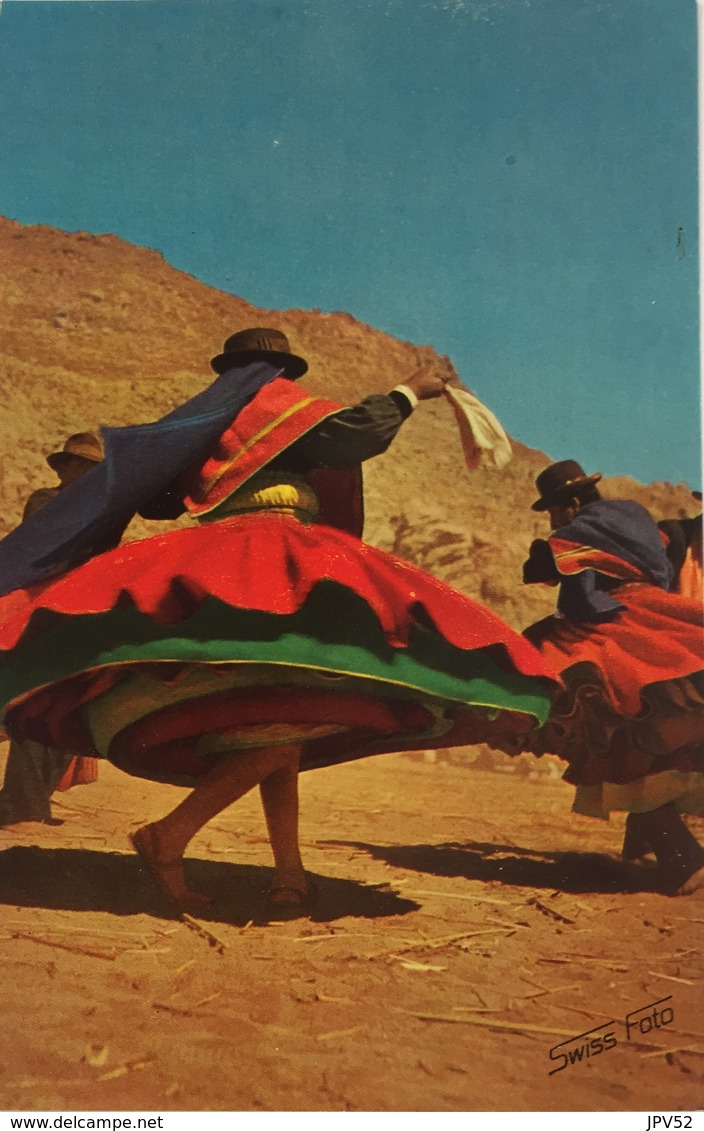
636, 848
279, 792
163, 843
32, 773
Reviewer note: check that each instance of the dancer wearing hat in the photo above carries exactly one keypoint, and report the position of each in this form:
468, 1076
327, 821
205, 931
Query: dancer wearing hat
631, 654
266, 638
79, 454
34, 771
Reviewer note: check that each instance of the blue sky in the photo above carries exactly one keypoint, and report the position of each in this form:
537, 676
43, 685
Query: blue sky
510, 181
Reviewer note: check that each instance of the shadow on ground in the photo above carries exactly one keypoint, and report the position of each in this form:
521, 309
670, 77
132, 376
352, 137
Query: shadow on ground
85, 880
511, 865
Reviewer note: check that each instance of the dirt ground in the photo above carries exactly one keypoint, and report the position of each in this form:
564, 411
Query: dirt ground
467, 924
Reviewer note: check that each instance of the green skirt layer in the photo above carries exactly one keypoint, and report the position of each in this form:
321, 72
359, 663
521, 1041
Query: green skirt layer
311, 638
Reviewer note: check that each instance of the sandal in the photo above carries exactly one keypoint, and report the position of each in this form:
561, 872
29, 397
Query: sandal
292, 902
687, 879
168, 874
692, 884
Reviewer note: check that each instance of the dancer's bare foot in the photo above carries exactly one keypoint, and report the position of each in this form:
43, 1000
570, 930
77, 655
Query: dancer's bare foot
167, 873
694, 883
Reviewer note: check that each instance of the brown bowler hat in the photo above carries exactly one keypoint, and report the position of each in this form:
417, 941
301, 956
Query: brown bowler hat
561, 481
259, 344
82, 445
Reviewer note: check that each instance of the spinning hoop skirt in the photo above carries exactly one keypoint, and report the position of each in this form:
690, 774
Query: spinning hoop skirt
269, 622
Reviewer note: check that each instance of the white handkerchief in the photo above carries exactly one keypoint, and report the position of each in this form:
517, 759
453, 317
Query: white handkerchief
484, 441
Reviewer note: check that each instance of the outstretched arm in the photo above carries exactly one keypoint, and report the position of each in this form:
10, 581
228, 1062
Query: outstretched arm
356, 434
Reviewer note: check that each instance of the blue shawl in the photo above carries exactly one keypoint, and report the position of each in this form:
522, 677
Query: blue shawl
140, 461
624, 529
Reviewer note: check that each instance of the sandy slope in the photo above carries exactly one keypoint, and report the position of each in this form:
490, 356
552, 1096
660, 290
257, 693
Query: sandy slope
460, 915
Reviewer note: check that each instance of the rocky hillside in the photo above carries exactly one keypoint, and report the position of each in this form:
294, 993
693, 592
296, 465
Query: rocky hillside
96, 331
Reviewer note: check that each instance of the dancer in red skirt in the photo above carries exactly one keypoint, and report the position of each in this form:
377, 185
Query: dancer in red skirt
264, 639
630, 721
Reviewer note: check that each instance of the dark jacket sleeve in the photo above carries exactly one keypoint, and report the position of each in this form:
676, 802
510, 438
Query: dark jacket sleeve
168, 504
540, 565
351, 436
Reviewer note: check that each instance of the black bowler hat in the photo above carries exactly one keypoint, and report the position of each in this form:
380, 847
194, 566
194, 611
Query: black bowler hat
259, 344
561, 482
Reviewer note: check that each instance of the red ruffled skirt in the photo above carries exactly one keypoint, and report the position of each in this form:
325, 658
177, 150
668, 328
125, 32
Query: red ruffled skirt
165, 653
633, 702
